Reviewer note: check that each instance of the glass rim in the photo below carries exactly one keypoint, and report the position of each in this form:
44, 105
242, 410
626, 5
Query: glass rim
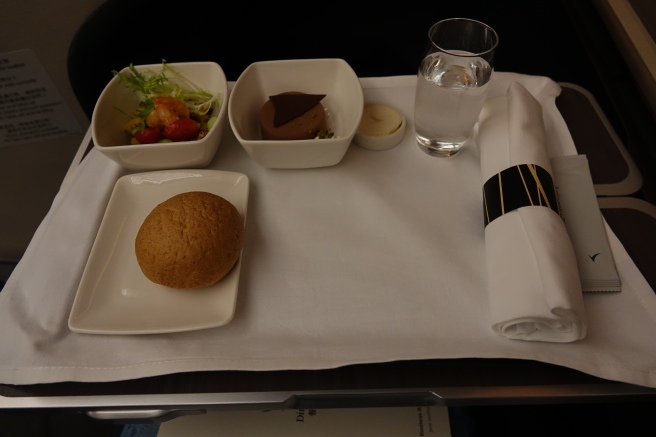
470, 20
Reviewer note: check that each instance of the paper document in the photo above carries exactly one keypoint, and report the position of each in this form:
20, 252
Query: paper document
361, 422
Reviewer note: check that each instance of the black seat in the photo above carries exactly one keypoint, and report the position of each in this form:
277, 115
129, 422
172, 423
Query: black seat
613, 171
235, 36
374, 41
633, 220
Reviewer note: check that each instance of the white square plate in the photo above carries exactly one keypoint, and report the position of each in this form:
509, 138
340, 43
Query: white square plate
114, 296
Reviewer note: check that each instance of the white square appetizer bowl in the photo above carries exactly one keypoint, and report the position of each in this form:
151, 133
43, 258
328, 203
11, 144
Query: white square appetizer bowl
117, 104
343, 104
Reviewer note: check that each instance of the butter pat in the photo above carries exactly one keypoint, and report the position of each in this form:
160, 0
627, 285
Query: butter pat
379, 119
381, 127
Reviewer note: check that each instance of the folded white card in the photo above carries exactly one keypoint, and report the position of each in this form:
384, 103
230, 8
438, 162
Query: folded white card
534, 288
584, 223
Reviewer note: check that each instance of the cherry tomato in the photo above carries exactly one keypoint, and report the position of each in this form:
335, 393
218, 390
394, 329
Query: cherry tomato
148, 135
184, 129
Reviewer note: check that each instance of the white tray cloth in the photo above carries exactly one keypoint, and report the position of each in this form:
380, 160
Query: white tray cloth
378, 258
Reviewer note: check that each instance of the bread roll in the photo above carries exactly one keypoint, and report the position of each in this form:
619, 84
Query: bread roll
191, 240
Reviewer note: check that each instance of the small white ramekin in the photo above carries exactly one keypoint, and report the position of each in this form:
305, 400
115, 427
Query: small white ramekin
382, 141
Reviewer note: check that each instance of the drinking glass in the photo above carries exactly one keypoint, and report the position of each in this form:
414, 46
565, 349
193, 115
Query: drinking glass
452, 83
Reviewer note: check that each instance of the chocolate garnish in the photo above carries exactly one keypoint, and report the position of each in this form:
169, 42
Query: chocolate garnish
290, 105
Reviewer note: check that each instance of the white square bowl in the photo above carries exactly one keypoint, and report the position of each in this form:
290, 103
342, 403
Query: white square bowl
109, 117
343, 103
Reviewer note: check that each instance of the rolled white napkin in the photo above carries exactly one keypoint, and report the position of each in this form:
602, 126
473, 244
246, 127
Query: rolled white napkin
534, 287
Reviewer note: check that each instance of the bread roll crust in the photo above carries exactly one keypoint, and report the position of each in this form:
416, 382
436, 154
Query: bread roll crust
191, 240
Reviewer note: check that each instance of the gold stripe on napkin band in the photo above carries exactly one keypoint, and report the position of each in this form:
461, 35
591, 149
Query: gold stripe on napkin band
516, 187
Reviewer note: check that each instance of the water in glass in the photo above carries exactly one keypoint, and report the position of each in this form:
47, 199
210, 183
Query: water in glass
451, 90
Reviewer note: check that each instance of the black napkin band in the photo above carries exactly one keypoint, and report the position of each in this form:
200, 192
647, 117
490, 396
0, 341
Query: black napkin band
516, 187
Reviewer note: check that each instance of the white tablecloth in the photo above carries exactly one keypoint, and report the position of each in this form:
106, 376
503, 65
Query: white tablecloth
378, 258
